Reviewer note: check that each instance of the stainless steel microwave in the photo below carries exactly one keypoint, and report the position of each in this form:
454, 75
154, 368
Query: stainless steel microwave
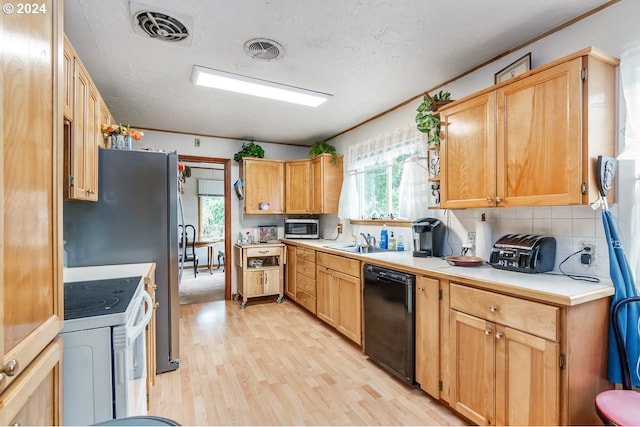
301, 228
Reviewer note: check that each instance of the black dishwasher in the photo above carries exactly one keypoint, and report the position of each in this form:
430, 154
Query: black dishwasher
389, 320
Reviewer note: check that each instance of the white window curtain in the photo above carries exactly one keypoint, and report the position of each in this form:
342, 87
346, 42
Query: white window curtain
382, 150
630, 77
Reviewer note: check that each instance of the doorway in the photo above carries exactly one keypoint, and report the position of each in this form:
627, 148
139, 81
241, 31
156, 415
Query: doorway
207, 197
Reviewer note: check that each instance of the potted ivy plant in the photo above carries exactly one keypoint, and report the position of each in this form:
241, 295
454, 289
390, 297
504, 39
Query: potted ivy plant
427, 117
249, 149
320, 147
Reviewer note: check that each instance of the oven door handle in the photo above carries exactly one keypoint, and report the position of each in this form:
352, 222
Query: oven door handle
132, 333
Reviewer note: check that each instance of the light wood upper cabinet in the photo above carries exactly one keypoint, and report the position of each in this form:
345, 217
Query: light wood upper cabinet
31, 309
326, 179
67, 76
263, 186
532, 141
468, 154
298, 187
85, 116
313, 185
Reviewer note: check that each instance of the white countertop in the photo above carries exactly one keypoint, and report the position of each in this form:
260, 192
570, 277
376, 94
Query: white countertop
549, 287
77, 274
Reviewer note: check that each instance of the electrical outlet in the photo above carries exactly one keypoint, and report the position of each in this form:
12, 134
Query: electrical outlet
588, 254
197, 142
471, 238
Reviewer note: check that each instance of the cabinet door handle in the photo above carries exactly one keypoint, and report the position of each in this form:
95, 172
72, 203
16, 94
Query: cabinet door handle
421, 289
498, 199
489, 199
493, 308
487, 332
11, 368
499, 335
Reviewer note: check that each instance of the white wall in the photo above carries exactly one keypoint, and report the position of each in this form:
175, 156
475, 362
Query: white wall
609, 30
224, 149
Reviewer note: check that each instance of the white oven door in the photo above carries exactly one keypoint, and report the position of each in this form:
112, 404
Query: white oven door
130, 362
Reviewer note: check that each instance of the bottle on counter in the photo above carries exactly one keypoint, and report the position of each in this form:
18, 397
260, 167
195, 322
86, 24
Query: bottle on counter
400, 244
384, 238
392, 242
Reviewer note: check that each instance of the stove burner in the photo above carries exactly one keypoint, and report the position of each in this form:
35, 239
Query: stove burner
98, 297
90, 305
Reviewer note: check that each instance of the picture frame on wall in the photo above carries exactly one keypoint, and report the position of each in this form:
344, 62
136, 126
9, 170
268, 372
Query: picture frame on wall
514, 69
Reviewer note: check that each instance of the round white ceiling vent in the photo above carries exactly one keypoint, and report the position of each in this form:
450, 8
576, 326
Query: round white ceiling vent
263, 49
161, 26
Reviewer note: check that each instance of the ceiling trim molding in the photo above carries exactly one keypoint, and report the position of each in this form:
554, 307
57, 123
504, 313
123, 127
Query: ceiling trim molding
487, 62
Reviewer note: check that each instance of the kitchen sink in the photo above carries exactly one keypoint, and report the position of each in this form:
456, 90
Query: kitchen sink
355, 249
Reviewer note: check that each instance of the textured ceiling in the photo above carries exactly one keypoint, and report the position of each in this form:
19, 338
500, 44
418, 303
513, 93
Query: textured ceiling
371, 55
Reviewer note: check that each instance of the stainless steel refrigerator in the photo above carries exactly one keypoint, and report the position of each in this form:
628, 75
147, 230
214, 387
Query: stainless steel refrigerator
135, 220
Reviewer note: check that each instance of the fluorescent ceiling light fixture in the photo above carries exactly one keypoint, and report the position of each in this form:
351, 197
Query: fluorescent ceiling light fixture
217, 79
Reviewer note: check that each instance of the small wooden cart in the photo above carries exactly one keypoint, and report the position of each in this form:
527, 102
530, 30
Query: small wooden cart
260, 270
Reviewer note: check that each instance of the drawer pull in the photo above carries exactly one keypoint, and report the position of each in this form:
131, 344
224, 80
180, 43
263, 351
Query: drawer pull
487, 332
12, 368
499, 335
493, 308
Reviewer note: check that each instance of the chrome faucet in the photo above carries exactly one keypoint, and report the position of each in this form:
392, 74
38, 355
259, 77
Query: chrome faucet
366, 238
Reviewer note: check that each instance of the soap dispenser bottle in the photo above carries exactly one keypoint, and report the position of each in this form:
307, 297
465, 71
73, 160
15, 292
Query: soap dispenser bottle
392, 242
384, 238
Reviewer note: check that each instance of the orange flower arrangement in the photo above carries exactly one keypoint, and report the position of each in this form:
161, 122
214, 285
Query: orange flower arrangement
119, 129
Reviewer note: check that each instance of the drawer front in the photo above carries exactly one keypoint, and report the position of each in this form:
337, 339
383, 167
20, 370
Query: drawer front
336, 263
264, 251
307, 255
528, 316
306, 284
306, 300
307, 268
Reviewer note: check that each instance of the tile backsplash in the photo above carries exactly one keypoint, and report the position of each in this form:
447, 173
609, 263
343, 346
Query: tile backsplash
569, 225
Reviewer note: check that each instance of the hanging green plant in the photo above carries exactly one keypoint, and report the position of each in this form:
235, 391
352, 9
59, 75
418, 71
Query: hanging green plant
320, 147
249, 149
427, 118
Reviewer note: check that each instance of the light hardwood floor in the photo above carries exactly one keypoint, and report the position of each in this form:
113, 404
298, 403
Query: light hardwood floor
274, 364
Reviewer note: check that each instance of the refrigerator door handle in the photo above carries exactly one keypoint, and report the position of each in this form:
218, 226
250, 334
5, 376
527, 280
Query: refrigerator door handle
183, 238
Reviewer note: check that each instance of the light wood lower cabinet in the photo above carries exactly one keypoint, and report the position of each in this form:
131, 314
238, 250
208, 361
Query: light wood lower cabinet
36, 397
520, 362
151, 286
428, 335
339, 294
260, 270
290, 285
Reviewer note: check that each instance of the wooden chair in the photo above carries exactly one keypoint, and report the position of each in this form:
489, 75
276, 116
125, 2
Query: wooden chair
620, 407
189, 239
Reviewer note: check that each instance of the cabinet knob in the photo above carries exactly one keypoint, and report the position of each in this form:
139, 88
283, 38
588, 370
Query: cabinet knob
499, 335
493, 308
156, 305
498, 199
11, 368
421, 289
487, 332
489, 199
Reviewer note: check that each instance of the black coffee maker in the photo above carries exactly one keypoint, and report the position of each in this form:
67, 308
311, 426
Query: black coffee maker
428, 237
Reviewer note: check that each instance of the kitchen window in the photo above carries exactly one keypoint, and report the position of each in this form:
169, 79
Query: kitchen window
383, 176
211, 217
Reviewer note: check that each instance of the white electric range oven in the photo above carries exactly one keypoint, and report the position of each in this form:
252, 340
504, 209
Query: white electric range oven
104, 349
